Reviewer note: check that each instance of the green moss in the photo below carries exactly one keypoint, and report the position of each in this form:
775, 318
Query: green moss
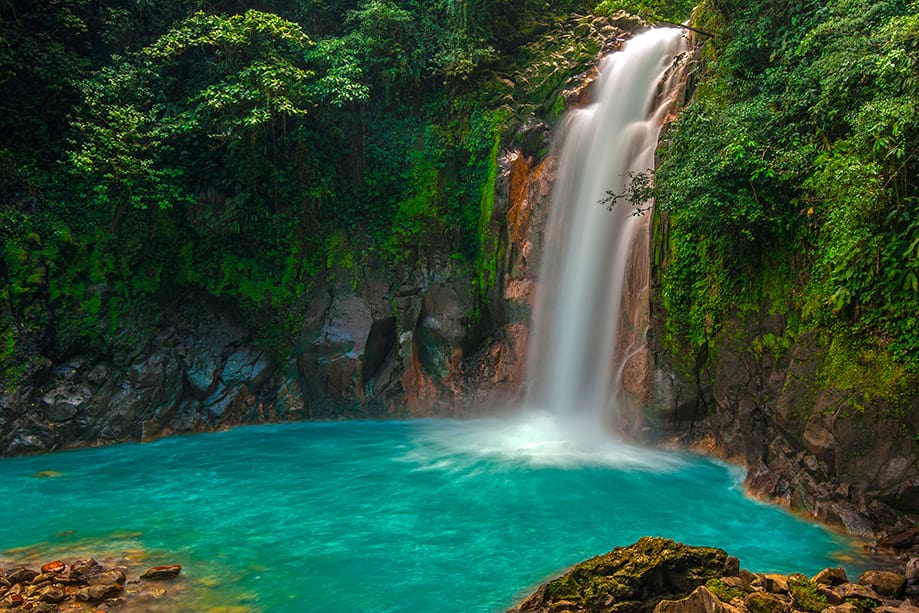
723, 591
869, 369
862, 605
418, 215
635, 576
487, 262
806, 594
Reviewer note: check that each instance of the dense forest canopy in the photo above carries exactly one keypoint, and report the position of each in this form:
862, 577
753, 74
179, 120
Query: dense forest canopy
243, 148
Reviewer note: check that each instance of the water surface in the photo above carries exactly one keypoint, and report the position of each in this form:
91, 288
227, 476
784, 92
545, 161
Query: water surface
389, 516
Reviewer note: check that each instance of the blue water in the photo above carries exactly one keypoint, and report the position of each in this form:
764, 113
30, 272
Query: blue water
389, 516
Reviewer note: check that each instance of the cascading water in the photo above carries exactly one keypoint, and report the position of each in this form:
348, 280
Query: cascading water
578, 352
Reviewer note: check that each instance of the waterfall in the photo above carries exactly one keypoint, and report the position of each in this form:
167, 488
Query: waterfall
579, 350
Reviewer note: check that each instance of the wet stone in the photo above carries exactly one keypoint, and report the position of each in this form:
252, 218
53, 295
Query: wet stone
21, 575
53, 594
108, 577
54, 568
92, 593
162, 572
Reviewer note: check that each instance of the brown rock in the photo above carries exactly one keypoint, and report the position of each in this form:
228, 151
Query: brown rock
884, 582
912, 571
832, 598
84, 567
843, 608
54, 568
775, 583
904, 539
903, 607
162, 572
108, 577
831, 576
21, 575
764, 601
93, 593
700, 601
748, 577
53, 594
737, 582
854, 590
12, 601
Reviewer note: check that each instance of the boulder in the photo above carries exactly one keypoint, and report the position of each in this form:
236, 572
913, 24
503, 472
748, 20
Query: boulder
162, 572
93, 593
885, 583
20, 575
854, 590
764, 602
700, 601
633, 578
831, 576
53, 594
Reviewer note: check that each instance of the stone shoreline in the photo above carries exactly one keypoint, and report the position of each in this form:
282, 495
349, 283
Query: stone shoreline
81, 584
658, 575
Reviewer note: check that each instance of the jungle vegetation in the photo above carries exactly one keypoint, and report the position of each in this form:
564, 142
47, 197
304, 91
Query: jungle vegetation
242, 148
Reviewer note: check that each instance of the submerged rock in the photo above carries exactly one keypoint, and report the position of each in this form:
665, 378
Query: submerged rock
162, 572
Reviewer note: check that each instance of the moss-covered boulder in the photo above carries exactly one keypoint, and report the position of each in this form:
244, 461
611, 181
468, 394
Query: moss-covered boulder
632, 579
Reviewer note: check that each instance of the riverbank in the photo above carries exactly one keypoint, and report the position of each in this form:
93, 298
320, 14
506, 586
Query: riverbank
664, 576
85, 584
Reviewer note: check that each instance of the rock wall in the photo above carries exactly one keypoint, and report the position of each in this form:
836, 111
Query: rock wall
375, 348
843, 457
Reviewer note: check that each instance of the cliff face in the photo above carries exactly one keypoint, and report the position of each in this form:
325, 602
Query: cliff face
842, 456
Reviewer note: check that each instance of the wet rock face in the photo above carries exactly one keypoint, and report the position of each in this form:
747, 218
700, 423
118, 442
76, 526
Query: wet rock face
523, 191
382, 348
377, 348
842, 457
197, 370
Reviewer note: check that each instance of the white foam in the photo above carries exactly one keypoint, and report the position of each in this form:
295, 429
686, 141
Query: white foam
533, 438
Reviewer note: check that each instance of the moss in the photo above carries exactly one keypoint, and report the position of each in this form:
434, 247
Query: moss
486, 269
862, 605
806, 594
868, 368
723, 591
635, 576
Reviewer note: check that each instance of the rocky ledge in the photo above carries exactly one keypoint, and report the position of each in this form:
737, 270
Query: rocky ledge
657, 575
80, 585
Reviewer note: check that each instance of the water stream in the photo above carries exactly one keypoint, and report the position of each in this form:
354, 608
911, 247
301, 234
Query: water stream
579, 348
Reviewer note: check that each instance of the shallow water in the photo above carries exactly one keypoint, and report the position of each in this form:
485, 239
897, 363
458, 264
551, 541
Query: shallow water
389, 516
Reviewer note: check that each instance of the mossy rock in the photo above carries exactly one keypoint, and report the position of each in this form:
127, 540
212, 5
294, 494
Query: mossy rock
806, 594
632, 579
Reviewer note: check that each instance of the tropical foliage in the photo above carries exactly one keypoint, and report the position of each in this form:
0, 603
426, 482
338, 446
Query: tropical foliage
797, 160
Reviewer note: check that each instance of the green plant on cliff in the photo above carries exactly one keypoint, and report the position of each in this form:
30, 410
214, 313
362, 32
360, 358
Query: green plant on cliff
673, 11
722, 591
798, 149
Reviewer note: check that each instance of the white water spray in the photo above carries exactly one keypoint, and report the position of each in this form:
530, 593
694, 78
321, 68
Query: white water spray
577, 355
